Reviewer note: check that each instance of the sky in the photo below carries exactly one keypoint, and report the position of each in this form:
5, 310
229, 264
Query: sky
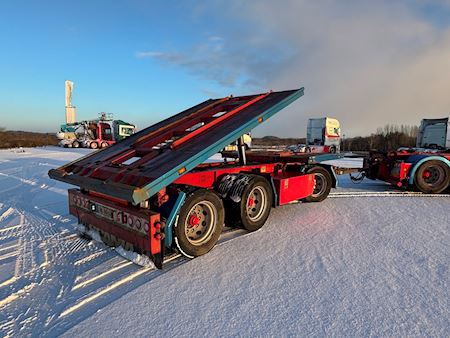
366, 63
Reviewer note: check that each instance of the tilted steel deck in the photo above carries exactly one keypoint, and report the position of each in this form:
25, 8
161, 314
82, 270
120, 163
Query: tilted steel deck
144, 163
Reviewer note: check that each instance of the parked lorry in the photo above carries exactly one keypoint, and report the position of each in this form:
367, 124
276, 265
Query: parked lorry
153, 193
323, 135
425, 168
99, 133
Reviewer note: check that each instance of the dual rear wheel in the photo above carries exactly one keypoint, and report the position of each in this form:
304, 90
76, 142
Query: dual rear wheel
247, 200
201, 219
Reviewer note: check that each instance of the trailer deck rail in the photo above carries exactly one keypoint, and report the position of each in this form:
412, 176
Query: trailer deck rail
141, 165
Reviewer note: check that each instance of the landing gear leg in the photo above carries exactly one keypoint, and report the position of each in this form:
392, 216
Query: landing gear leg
241, 151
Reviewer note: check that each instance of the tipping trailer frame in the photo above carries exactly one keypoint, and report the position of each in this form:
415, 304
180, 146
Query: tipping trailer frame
151, 192
159, 162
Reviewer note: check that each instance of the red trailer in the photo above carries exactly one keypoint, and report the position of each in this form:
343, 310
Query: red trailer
417, 169
153, 193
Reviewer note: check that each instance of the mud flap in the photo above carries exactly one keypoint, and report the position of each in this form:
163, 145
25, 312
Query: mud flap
158, 260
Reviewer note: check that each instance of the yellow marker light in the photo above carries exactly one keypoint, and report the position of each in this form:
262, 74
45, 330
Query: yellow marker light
182, 170
260, 119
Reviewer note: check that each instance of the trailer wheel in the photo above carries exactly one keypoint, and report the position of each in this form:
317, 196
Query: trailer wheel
75, 144
93, 145
104, 145
432, 177
200, 223
249, 202
332, 150
322, 184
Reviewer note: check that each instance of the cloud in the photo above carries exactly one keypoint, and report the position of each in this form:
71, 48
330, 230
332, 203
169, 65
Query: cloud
148, 54
231, 62
202, 60
366, 63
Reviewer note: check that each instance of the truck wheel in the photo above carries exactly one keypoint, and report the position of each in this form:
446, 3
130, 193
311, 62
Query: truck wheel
432, 177
250, 200
93, 145
104, 145
200, 223
75, 144
322, 184
332, 150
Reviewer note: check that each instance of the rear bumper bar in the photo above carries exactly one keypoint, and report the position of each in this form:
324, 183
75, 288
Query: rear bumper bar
120, 225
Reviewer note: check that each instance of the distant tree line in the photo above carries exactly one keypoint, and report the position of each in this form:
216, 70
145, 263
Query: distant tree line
390, 137
276, 141
14, 139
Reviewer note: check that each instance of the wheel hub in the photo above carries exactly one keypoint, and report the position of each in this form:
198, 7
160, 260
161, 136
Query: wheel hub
194, 220
200, 222
433, 175
319, 184
256, 203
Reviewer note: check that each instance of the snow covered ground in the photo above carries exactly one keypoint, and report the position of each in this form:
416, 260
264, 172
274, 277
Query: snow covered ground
368, 261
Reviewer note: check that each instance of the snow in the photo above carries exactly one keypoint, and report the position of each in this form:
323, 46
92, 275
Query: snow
370, 260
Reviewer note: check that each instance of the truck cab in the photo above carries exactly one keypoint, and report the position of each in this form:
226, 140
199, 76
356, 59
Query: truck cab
434, 134
323, 135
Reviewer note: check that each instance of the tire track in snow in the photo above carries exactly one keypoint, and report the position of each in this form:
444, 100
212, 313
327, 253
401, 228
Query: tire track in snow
144, 274
44, 262
6, 214
45, 244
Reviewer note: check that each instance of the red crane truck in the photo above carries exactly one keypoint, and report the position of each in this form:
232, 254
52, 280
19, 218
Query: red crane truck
153, 193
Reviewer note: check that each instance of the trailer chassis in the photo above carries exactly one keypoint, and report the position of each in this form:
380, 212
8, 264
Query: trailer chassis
152, 194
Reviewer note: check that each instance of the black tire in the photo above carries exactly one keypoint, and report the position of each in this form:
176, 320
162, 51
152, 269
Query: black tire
200, 208
75, 144
104, 144
432, 177
93, 145
322, 185
254, 197
332, 150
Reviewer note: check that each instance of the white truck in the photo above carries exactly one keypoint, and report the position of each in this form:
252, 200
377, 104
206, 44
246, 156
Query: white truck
323, 135
434, 134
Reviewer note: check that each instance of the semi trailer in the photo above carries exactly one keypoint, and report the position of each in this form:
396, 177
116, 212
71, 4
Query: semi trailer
425, 168
152, 192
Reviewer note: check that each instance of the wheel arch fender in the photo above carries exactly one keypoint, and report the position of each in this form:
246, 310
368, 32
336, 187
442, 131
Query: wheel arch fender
224, 191
330, 169
418, 160
269, 178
